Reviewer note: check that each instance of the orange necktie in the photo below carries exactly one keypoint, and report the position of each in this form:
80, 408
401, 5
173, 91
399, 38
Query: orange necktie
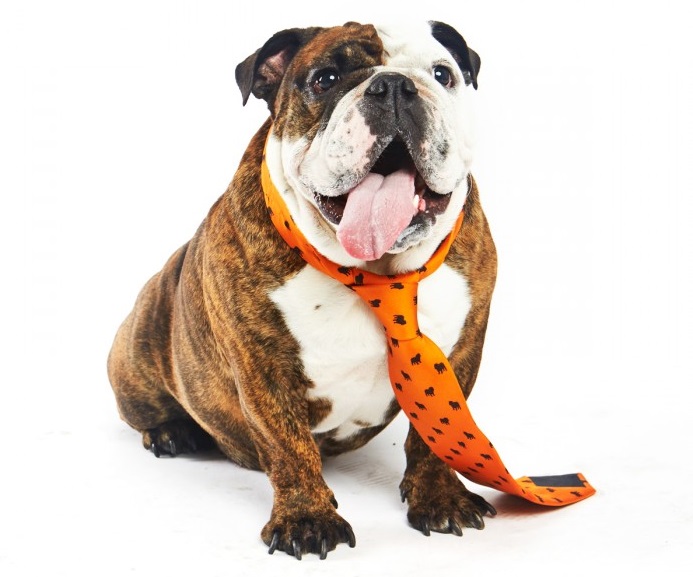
421, 376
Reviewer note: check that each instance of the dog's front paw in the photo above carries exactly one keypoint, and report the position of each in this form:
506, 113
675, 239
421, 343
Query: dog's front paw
444, 506
298, 532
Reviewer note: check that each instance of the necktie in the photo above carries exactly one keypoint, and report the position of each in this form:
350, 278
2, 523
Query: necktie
422, 379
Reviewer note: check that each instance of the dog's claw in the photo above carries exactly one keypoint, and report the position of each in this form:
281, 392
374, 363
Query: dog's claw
425, 529
296, 546
274, 543
155, 449
172, 448
323, 549
477, 521
351, 536
455, 528
491, 510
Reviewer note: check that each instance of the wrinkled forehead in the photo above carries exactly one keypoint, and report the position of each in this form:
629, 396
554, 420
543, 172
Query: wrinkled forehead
350, 45
412, 44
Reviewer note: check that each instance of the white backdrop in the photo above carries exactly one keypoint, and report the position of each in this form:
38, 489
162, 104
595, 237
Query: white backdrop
120, 125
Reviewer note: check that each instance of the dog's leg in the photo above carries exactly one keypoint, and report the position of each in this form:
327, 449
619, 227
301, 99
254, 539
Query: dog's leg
437, 499
304, 517
145, 404
139, 369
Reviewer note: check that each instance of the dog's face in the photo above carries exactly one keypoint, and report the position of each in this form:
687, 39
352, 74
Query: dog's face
371, 141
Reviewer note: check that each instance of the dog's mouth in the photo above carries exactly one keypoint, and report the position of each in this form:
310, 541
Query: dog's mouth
392, 198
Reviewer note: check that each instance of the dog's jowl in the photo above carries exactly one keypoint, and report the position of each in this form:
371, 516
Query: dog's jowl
238, 342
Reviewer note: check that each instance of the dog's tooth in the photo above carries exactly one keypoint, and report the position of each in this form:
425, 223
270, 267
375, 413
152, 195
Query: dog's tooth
419, 203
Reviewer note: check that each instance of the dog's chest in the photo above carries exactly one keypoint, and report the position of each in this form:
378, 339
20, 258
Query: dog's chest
343, 347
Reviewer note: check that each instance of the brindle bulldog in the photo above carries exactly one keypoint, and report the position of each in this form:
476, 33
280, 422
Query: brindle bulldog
238, 343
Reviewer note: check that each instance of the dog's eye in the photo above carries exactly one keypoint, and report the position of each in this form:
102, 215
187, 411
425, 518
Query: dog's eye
443, 75
324, 80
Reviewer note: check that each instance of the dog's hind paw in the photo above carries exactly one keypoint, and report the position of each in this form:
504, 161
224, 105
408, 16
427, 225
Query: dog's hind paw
175, 438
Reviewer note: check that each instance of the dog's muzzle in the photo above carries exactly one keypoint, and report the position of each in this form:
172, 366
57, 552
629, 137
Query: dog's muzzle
393, 195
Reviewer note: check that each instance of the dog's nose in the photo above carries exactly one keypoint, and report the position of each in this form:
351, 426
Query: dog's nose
392, 86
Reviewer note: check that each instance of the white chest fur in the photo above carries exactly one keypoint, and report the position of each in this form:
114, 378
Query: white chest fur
343, 344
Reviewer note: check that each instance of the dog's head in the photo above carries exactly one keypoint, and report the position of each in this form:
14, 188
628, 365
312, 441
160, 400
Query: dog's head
371, 135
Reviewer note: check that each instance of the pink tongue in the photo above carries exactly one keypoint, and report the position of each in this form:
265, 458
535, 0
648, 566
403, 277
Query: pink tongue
376, 212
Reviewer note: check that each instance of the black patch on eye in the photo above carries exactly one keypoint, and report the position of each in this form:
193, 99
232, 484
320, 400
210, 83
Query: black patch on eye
468, 60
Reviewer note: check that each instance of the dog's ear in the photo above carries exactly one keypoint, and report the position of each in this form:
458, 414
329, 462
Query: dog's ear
467, 59
262, 72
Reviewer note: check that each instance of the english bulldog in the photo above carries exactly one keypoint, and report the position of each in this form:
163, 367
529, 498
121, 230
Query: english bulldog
238, 343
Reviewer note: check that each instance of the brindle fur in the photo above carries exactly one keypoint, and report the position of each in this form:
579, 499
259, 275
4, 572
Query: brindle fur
205, 354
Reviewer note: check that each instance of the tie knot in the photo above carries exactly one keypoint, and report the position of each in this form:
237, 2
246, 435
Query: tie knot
395, 305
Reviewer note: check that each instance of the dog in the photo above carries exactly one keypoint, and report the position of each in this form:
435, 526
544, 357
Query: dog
238, 343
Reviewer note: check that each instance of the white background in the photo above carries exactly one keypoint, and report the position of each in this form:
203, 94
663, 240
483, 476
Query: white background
120, 125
